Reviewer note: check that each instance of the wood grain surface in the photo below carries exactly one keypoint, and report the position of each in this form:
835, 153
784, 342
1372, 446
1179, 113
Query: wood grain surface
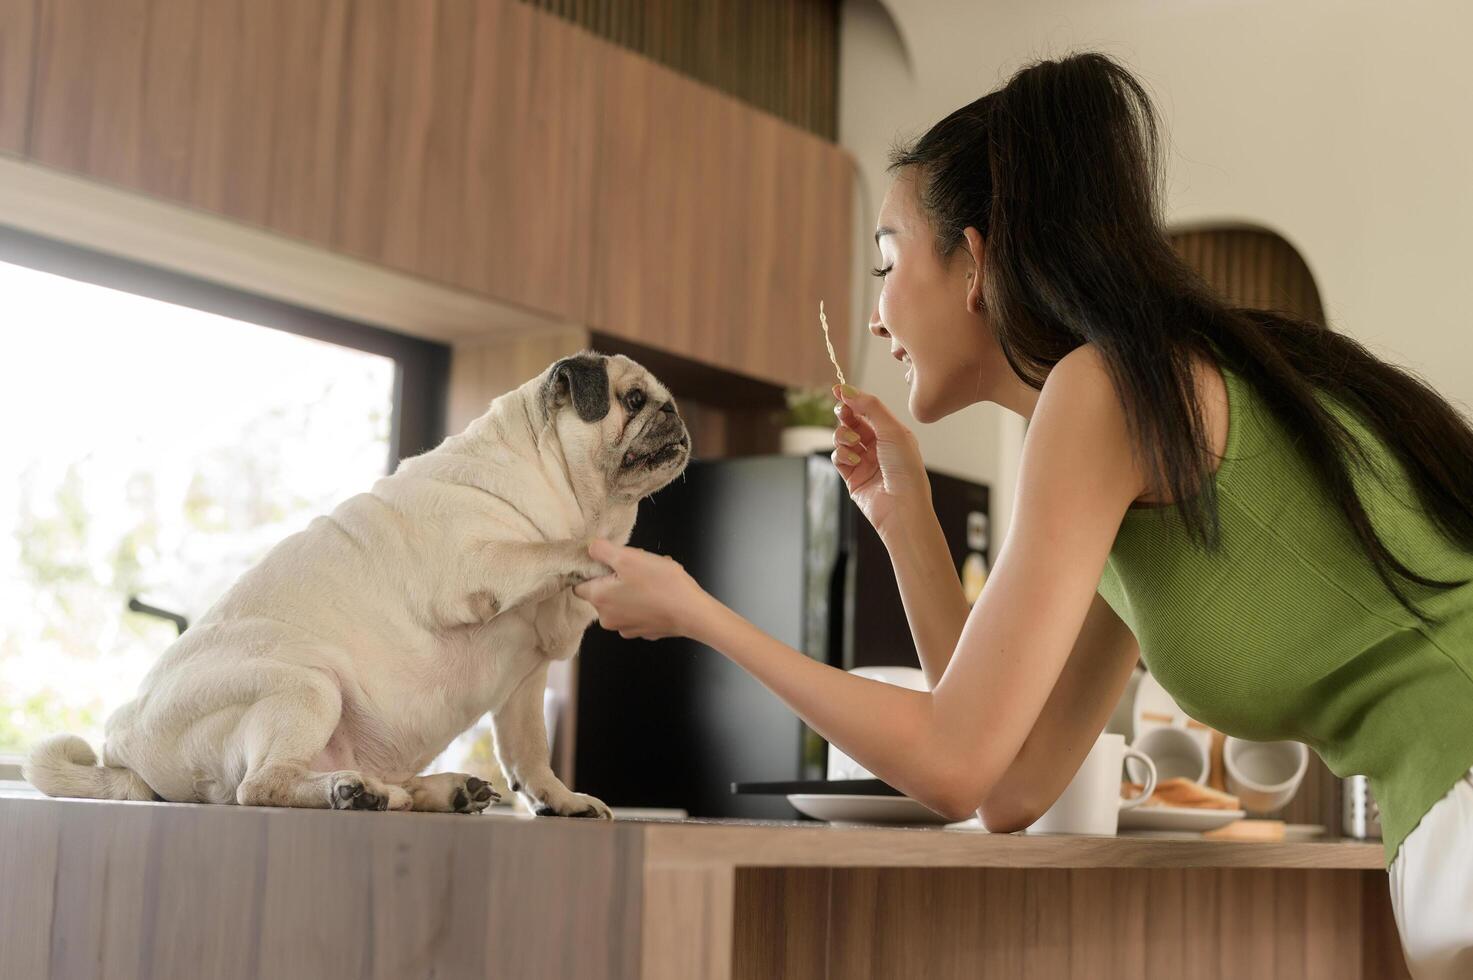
780, 55
17, 36
811, 844
1251, 267
230, 106
182, 891
1052, 924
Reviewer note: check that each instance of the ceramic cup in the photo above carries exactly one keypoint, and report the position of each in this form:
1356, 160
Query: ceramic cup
1122, 719
1176, 752
1263, 775
839, 765
1091, 803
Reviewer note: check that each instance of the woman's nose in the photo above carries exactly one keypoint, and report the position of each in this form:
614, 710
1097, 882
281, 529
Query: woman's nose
876, 326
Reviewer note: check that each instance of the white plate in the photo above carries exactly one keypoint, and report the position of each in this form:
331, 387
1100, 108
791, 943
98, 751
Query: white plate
846, 808
1187, 818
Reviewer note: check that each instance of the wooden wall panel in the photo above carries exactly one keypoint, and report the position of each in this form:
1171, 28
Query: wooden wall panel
482, 371
1252, 267
17, 40
778, 55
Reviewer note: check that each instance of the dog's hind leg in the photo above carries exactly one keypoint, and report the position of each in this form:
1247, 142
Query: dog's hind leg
280, 737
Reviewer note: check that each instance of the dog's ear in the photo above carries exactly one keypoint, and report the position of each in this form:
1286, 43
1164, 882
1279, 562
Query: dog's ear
583, 381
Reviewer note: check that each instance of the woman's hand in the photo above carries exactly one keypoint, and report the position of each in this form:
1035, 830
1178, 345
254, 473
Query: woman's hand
879, 458
648, 597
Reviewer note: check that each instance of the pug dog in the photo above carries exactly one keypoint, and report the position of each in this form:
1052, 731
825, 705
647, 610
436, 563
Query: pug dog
334, 670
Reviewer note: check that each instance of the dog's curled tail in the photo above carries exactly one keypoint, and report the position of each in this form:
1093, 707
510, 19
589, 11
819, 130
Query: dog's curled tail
65, 765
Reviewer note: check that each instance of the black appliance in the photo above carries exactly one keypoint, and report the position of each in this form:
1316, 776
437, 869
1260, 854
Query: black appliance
671, 723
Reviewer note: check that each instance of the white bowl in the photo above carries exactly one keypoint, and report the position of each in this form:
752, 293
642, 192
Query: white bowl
1175, 752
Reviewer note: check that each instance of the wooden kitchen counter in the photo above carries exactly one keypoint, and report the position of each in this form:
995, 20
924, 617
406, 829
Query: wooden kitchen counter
173, 890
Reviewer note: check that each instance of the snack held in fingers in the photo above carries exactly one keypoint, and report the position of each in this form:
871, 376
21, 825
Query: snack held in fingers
823, 321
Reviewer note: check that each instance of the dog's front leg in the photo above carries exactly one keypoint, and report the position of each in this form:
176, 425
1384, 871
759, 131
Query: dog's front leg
521, 747
502, 575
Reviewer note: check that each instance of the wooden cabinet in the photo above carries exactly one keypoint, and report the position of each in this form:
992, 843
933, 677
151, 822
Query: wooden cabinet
719, 229
468, 131
480, 144
17, 28
230, 106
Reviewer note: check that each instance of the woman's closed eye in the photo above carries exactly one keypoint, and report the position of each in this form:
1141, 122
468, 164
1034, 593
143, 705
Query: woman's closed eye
882, 273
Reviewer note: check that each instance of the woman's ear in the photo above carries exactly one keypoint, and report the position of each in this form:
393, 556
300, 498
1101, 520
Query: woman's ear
976, 253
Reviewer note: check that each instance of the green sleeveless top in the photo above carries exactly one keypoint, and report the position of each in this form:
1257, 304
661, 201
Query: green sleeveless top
1288, 632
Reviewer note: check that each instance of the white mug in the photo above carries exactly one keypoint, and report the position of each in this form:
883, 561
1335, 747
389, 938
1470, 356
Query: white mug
1176, 752
1263, 775
1091, 803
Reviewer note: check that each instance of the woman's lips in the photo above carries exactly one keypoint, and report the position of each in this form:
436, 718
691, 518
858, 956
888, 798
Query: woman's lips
903, 356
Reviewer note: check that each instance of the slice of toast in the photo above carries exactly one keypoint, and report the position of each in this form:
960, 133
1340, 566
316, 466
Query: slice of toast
1181, 791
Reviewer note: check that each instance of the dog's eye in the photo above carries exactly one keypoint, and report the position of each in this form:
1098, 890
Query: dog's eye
634, 401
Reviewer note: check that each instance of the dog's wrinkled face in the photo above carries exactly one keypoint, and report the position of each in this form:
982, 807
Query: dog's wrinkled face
614, 416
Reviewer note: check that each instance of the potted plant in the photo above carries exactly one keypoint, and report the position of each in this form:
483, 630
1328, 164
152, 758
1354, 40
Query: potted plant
808, 424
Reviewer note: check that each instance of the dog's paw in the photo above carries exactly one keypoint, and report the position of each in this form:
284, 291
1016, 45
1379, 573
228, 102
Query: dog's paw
565, 803
452, 792
475, 796
585, 570
350, 791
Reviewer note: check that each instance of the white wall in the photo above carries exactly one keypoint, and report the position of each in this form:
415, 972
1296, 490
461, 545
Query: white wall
1345, 126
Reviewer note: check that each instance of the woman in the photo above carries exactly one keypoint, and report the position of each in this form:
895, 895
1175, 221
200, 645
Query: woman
1283, 522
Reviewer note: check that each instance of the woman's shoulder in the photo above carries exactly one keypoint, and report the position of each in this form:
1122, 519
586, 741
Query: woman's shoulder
1084, 389
1079, 430
1081, 377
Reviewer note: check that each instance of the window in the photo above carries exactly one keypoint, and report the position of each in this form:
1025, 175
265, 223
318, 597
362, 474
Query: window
154, 451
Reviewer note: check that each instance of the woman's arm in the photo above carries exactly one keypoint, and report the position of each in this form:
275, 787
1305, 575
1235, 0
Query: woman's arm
880, 461
950, 747
1099, 663
1077, 709
935, 606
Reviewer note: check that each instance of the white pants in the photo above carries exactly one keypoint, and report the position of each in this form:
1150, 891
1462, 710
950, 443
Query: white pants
1432, 888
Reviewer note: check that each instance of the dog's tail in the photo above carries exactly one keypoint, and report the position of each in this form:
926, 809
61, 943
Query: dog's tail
65, 765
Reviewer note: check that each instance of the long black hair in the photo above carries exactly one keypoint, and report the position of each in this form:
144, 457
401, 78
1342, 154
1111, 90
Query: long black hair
1059, 171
